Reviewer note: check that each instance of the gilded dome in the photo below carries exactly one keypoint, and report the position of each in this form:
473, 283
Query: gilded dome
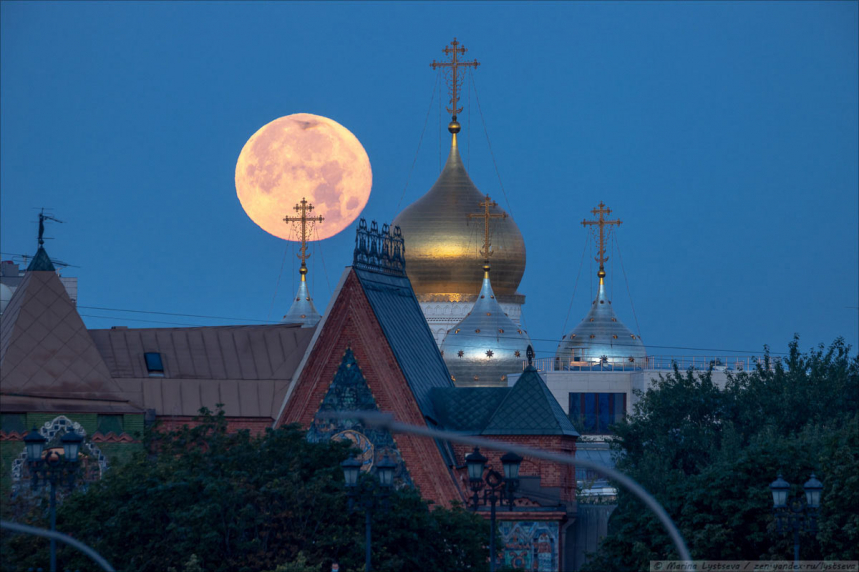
601, 337
486, 346
443, 247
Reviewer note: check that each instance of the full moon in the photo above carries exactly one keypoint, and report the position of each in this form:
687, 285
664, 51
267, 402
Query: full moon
303, 156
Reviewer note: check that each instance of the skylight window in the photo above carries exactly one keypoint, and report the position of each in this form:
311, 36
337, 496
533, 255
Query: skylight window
154, 365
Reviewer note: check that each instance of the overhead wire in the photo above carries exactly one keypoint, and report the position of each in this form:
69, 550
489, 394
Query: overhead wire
628, 291
170, 314
147, 321
322, 259
277, 284
575, 286
420, 141
489, 143
148, 312
439, 123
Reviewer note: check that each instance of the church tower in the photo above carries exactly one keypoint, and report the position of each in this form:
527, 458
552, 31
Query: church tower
601, 339
302, 310
443, 258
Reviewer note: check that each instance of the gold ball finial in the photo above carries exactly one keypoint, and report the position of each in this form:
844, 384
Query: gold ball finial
601, 273
454, 126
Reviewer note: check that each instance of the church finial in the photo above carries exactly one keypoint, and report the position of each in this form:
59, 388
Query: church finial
306, 226
601, 223
487, 203
529, 353
42, 218
454, 79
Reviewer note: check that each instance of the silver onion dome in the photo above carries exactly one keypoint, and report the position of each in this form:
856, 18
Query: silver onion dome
486, 346
601, 338
302, 310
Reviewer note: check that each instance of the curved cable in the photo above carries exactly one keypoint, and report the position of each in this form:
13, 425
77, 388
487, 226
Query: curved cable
25, 529
386, 420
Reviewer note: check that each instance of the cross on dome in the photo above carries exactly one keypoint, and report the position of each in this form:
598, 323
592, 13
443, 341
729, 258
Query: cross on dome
452, 70
306, 226
487, 203
601, 223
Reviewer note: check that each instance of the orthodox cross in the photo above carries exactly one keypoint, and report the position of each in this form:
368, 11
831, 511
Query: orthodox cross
454, 64
601, 223
486, 216
42, 218
306, 222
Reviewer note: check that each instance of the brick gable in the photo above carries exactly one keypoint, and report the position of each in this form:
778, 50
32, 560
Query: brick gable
352, 323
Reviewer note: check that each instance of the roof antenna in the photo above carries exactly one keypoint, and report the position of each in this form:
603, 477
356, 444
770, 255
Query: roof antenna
42, 218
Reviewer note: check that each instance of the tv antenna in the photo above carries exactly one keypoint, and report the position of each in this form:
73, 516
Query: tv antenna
42, 218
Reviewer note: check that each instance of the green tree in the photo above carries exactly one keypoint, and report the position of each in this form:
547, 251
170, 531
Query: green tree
204, 499
708, 455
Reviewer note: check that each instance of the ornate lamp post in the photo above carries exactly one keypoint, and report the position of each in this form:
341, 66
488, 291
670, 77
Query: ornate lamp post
369, 494
495, 488
796, 514
53, 469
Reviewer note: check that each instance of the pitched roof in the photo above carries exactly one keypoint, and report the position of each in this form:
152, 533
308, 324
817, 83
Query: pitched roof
246, 368
41, 262
45, 348
529, 408
467, 409
397, 309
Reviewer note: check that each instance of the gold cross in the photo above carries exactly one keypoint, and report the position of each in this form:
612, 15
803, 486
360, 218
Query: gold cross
454, 64
306, 226
486, 216
601, 223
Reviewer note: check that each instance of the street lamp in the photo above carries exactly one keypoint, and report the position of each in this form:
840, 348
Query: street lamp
495, 488
369, 494
53, 469
797, 514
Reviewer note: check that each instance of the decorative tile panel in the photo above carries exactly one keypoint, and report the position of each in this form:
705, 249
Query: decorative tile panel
530, 545
349, 392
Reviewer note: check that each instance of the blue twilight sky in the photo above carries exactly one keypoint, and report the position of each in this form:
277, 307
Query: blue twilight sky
723, 134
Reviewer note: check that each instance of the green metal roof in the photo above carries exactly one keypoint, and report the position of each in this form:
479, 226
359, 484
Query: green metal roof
466, 409
529, 408
41, 262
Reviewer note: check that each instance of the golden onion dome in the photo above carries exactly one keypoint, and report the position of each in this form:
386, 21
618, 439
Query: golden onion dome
443, 247
485, 346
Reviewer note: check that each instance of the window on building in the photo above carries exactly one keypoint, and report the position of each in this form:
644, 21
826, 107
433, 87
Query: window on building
594, 413
154, 365
110, 423
13, 422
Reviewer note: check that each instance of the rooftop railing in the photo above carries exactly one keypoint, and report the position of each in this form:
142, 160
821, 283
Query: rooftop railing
659, 362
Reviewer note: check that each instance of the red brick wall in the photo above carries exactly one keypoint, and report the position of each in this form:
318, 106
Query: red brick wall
351, 323
551, 474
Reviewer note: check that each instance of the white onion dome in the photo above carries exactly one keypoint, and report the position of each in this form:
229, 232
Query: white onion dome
302, 310
601, 338
486, 346
443, 259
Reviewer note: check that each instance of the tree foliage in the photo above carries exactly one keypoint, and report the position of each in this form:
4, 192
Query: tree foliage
205, 499
708, 455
